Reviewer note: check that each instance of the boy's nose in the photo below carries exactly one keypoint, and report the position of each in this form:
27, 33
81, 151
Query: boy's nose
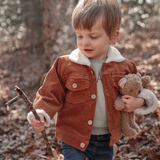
85, 42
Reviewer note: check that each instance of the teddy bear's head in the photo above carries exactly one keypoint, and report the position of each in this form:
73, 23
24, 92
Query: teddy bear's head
132, 84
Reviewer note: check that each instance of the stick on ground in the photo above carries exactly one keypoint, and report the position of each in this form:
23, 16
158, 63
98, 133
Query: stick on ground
30, 105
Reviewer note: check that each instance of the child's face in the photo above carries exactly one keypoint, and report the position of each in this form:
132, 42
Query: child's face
94, 43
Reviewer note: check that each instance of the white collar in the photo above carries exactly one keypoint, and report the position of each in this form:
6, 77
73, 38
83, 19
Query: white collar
113, 56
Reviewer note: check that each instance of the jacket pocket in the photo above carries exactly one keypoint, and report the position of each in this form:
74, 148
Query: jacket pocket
77, 90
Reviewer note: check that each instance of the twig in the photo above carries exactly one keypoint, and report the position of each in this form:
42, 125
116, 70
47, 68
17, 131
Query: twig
30, 105
12, 101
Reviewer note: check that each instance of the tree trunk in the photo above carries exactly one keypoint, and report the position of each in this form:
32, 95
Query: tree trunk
58, 34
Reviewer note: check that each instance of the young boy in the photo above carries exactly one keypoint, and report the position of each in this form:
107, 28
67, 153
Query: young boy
82, 87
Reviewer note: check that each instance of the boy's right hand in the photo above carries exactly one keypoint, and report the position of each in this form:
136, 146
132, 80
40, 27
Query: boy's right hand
38, 125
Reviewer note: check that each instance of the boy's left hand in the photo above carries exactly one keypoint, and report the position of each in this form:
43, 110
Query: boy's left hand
132, 103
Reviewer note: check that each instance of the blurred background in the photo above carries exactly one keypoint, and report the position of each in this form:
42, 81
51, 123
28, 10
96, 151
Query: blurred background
34, 33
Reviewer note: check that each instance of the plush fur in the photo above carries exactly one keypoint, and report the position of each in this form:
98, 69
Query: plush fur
131, 84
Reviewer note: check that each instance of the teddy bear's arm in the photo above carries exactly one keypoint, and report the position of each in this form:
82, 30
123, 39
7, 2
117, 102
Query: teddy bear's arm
119, 104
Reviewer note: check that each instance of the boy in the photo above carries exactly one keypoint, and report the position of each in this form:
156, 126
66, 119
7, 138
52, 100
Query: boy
82, 87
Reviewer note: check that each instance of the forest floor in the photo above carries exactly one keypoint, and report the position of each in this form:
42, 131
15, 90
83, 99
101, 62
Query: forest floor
18, 140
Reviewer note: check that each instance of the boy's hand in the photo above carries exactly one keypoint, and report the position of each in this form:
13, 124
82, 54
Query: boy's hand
132, 103
38, 125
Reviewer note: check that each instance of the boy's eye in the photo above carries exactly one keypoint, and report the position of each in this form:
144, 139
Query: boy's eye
79, 36
93, 37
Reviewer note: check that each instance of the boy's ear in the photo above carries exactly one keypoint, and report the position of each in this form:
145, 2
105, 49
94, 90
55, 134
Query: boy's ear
114, 37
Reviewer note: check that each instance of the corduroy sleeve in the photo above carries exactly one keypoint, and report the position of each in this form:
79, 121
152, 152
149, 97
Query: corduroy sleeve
50, 97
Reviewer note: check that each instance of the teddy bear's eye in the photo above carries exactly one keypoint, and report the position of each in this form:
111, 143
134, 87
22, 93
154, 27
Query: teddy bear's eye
131, 90
139, 91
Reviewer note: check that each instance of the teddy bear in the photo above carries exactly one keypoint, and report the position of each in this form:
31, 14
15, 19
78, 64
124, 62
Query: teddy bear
130, 84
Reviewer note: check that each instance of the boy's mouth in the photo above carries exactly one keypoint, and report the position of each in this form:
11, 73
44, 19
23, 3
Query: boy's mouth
88, 50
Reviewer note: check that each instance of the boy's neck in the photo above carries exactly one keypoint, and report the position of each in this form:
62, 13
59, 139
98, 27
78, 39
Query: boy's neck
95, 60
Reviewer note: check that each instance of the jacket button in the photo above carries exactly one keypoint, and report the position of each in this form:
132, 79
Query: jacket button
82, 145
74, 85
93, 96
90, 122
92, 72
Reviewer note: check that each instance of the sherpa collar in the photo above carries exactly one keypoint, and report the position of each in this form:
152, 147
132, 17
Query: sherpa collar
113, 56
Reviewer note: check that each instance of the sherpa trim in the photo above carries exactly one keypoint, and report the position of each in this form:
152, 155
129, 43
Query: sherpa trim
113, 56
150, 100
47, 118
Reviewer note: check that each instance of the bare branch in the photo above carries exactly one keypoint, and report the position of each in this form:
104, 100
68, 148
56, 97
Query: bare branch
30, 105
12, 101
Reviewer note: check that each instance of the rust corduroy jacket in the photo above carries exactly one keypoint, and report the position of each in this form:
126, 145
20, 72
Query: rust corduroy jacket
70, 88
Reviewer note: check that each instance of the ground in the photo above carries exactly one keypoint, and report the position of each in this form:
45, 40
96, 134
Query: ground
18, 140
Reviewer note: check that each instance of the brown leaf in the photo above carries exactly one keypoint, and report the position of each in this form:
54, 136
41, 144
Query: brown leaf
151, 154
29, 148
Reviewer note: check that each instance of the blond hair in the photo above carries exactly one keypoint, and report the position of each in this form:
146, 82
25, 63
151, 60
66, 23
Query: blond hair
87, 11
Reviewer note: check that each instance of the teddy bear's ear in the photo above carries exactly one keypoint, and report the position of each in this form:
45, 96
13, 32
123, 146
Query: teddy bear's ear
122, 82
138, 74
145, 81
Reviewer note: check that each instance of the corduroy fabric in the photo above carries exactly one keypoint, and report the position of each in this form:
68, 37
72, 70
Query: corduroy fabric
69, 88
